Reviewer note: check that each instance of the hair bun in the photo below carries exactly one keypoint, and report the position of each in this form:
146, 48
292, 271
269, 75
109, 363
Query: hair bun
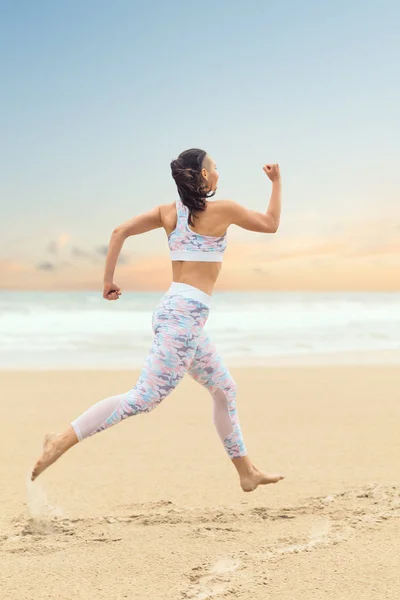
178, 170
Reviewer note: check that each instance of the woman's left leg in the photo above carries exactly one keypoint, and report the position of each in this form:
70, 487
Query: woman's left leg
177, 324
208, 369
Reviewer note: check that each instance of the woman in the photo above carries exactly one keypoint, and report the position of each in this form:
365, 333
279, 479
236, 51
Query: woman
196, 230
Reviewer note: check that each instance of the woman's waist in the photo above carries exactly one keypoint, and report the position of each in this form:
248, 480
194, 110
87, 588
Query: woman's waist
186, 290
202, 276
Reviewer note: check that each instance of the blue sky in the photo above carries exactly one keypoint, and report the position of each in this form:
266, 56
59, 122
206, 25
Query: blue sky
98, 97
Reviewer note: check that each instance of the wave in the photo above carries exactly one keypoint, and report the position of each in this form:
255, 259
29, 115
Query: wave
80, 328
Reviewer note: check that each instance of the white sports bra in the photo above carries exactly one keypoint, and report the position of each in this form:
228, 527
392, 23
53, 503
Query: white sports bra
184, 244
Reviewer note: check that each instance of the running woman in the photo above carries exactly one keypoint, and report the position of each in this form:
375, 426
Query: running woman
196, 230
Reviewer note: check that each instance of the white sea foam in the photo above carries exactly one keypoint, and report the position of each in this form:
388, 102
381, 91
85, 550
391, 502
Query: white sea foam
81, 330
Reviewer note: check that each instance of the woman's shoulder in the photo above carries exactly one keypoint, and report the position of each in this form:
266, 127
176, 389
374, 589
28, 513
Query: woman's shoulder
168, 215
224, 206
167, 207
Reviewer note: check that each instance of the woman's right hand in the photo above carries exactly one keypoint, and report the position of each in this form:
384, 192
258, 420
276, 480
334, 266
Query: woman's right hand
272, 171
111, 291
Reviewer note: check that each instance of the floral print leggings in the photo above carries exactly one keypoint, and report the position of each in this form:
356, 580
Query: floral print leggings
180, 346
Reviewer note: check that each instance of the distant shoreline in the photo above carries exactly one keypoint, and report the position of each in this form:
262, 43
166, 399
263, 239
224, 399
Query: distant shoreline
381, 359
218, 290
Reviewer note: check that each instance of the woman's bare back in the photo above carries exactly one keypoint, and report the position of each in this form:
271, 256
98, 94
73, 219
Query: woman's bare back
211, 222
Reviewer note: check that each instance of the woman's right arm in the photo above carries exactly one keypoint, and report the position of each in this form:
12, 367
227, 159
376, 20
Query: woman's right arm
252, 220
140, 224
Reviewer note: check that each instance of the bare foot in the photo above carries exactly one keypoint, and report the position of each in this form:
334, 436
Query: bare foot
54, 446
251, 481
51, 452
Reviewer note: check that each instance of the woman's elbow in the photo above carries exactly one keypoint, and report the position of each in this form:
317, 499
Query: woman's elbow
120, 231
270, 223
272, 226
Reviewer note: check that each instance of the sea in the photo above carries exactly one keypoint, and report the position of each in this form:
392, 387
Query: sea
81, 330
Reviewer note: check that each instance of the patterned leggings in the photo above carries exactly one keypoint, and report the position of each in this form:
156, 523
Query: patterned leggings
180, 346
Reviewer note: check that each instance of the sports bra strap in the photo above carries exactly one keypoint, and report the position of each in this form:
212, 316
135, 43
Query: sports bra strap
181, 211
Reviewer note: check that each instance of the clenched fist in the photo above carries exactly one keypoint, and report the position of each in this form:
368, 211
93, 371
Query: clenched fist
272, 171
111, 291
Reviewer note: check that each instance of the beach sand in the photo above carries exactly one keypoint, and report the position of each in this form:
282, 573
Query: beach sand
152, 509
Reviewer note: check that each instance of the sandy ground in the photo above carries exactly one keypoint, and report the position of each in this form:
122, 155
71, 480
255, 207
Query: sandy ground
152, 510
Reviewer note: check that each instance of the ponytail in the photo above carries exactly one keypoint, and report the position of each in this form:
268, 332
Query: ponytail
192, 186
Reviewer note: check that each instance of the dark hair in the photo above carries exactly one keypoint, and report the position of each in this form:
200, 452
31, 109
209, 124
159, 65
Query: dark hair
192, 187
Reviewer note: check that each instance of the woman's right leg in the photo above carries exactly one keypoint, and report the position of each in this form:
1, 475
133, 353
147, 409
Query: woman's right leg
177, 325
208, 369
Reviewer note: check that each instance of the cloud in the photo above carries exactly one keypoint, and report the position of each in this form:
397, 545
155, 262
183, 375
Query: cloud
52, 248
63, 239
55, 245
102, 251
45, 266
365, 254
10, 266
79, 253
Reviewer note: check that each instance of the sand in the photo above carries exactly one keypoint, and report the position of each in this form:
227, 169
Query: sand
152, 510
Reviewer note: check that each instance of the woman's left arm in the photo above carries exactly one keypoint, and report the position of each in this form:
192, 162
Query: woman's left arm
140, 224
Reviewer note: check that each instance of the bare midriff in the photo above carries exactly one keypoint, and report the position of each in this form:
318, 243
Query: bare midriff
201, 275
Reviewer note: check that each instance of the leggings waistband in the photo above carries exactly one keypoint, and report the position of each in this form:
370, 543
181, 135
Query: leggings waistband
188, 291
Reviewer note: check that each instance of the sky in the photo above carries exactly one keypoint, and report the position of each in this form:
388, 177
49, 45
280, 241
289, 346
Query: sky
98, 97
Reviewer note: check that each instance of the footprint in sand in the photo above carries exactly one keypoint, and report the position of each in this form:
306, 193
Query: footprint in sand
318, 535
320, 531
225, 565
214, 582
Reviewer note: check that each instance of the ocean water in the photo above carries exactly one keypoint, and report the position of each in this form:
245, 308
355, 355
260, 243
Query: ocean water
79, 330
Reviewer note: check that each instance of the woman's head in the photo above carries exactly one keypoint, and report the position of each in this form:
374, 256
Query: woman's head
196, 178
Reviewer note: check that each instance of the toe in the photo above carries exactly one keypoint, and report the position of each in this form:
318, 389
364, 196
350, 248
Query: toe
35, 472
